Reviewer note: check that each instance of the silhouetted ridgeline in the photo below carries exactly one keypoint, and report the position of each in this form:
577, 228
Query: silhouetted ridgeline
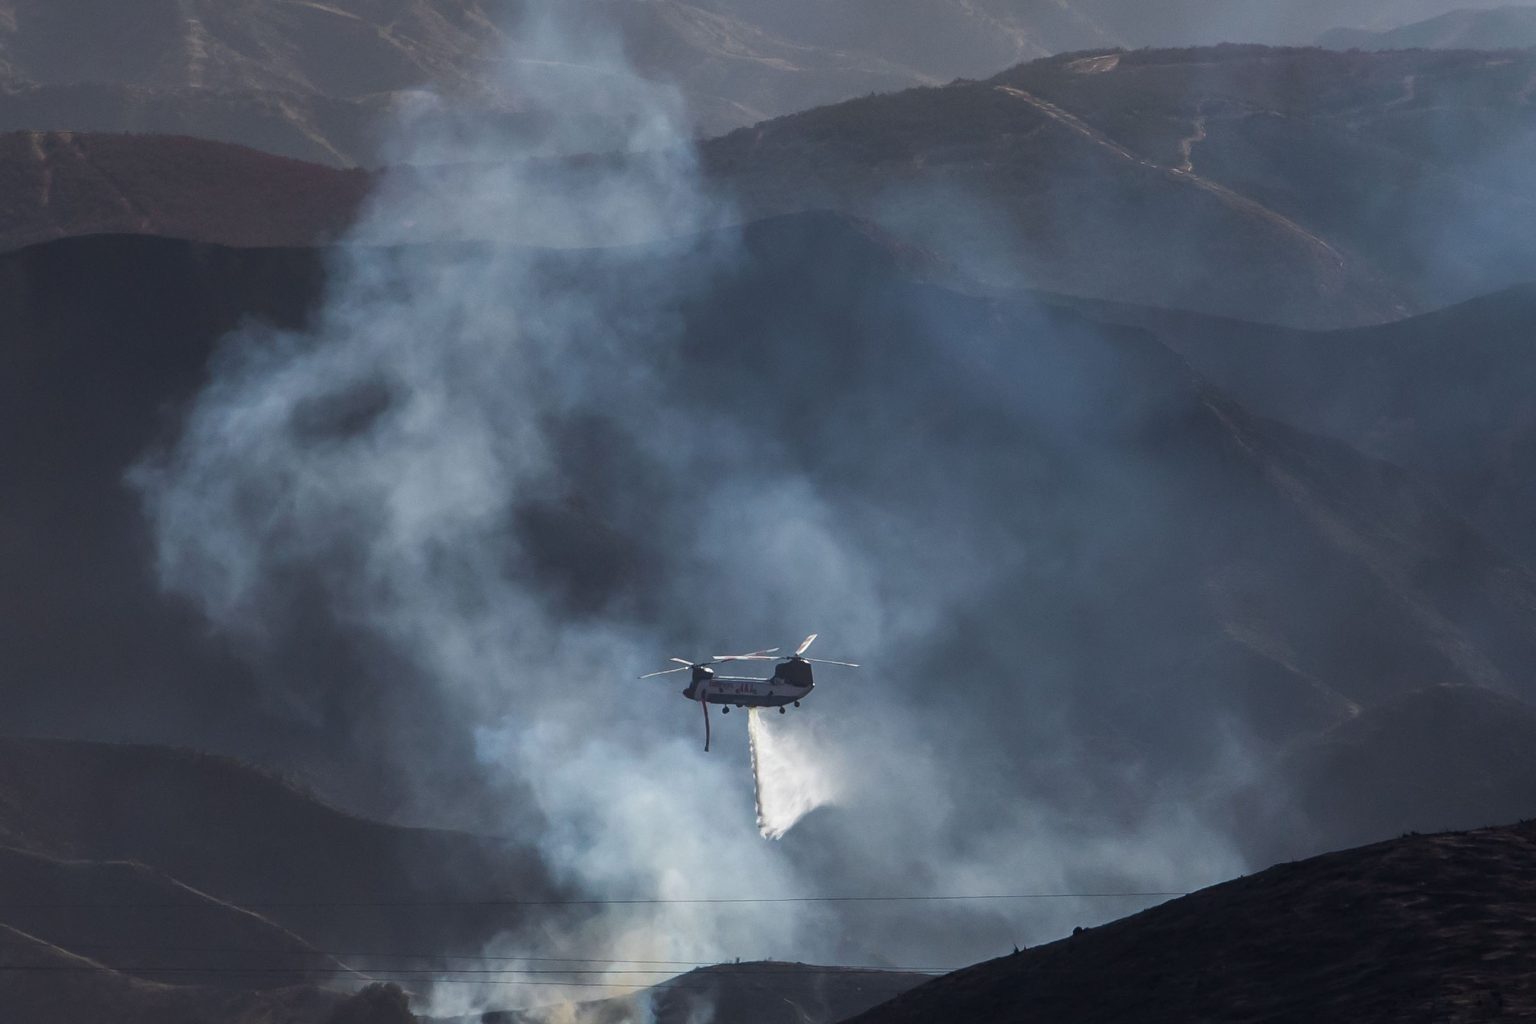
1415, 929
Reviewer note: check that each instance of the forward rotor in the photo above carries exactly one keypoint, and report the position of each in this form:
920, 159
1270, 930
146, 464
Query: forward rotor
805, 645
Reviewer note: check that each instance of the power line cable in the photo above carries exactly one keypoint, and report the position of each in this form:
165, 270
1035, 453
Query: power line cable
359, 955
455, 973
224, 903
72, 969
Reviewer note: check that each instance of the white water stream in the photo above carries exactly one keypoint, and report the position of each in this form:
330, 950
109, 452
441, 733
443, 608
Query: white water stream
785, 777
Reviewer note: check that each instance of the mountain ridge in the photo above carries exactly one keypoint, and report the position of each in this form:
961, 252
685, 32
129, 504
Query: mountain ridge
1498, 28
1418, 928
1220, 193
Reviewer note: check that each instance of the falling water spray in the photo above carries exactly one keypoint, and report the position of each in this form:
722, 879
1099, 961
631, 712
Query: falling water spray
784, 780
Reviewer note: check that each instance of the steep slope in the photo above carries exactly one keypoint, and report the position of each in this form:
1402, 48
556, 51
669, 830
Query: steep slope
319, 81
1202, 22
245, 44
1418, 928
60, 184
1258, 572
242, 840
1261, 184
108, 912
300, 126
1500, 28
1268, 184
42, 984
1447, 395
1180, 571
943, 38
1440, 758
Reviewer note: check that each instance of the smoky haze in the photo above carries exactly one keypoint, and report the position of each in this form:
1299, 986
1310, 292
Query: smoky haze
494, 483
502, 474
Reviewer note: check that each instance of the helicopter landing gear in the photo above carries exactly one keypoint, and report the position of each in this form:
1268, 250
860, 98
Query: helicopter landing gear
781, 709
725, 709
797, 703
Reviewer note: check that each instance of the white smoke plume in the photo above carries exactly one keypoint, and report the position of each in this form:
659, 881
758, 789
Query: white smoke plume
383, 463
382, 455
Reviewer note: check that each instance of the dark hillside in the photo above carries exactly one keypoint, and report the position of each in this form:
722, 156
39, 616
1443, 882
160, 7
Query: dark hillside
317, 129
1266, 578
322, 81
1447, 395
1423, 928
1268, 184
87, 387
1262, 571
1440, 758
99, 910
42, 984
57, 184
243, 839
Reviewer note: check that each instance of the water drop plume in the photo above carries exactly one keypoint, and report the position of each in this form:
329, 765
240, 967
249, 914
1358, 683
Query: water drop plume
785, 777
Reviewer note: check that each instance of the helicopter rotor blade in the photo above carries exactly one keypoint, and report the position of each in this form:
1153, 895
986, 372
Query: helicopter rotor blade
666, 672
754, 656
682, 661
805, 645
827, 661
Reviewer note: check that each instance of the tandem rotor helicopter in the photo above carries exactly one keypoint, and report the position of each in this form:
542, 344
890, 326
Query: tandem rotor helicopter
791, 681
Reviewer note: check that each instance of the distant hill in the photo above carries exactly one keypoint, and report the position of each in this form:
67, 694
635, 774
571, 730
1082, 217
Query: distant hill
1447, 395
1296, 186
113, 913
142, 883
54, 185
43, 984
1202, 22
1267, 185
1417, 928
319, 81
244, 840
1440, 758
114, 859
765, 992
1224, 615
962, 37
1499, 28
760, 992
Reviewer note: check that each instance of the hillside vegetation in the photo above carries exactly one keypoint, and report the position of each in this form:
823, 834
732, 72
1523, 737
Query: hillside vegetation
1422, 928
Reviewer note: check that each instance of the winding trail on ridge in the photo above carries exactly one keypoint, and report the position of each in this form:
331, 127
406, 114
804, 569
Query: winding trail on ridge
1182, 173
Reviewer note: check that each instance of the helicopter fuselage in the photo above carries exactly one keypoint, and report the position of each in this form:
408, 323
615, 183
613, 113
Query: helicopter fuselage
746, 692
790, 683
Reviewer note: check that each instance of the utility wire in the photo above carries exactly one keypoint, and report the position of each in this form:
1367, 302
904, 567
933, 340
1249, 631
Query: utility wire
669, 986
343, 957
709, 901
300, 951
458, 973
